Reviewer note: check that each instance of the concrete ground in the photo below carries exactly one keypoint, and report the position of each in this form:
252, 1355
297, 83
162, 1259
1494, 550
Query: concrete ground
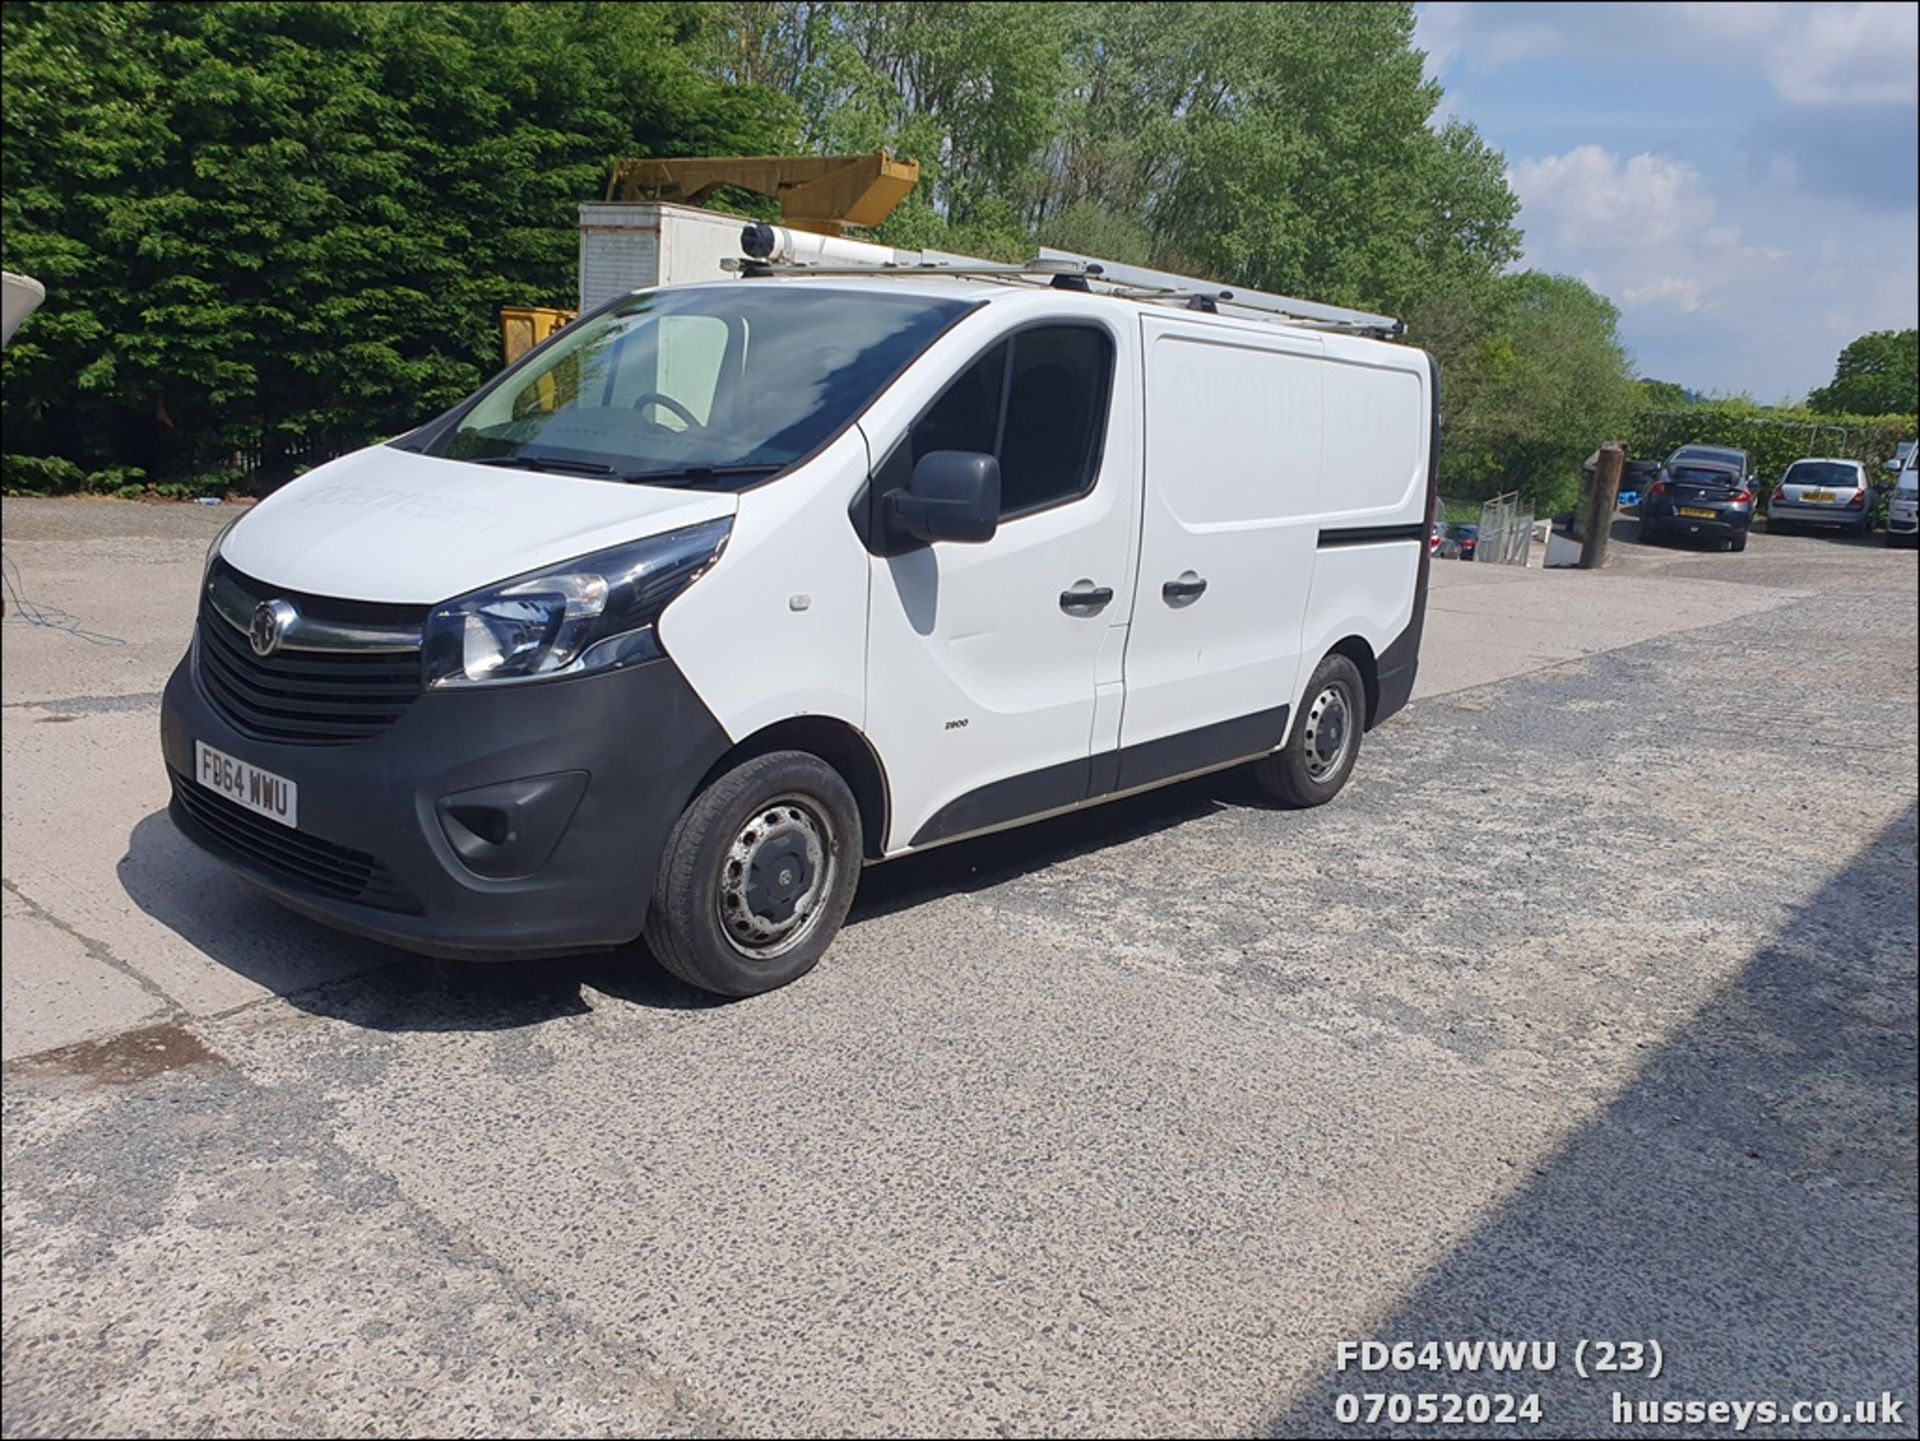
1587, 1012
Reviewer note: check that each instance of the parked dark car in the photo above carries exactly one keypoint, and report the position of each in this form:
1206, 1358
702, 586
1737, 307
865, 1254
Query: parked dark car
1458, 541
1704, 491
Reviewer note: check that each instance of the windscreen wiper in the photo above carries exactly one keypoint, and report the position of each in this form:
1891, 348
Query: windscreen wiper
547, 462
698, 474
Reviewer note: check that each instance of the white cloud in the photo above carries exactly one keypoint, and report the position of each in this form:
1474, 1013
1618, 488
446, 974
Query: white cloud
1440, 30
1682, 292
1845, 55
1732, 22
1702, 273
1739, 177
1592, 201
1824, 53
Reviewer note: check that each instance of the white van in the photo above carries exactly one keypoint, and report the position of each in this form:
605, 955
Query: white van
732, 588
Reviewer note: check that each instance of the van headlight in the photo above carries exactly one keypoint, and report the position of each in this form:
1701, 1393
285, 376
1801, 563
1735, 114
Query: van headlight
213, 549
594, 613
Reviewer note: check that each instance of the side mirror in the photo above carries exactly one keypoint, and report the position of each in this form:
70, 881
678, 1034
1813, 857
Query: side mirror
954, 495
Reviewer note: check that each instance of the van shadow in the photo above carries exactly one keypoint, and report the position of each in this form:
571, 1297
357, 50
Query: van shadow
328, 973
991, 860
1748, 1200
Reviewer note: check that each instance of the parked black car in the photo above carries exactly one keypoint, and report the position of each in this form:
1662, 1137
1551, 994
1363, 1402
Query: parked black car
1704, 491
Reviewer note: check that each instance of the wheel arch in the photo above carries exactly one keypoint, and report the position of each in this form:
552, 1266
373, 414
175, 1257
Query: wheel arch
1356, 649
840, 746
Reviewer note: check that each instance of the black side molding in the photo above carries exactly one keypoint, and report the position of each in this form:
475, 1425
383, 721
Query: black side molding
1031, 793
1370, 535
1134, 767
1221, 743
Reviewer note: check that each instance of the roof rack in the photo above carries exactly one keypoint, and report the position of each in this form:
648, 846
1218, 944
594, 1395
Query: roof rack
776, 250
1188, 289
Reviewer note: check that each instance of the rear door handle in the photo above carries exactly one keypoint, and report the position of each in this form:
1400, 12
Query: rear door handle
1184, 590
1085, 598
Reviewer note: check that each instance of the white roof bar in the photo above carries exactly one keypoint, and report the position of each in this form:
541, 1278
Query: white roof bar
1313, 311
773, 249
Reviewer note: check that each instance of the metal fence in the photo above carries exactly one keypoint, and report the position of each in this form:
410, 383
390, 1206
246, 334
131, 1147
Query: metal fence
1506, 530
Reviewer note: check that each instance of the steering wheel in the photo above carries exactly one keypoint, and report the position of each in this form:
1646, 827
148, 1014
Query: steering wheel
654, 397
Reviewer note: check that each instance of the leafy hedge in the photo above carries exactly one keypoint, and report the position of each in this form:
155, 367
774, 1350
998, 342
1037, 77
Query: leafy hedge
56, 475
273, 230
1774, 438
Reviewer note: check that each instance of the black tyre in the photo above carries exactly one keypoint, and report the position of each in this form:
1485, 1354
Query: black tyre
1649, 533
1738, 543
1779, 527
757, 876
1313, 766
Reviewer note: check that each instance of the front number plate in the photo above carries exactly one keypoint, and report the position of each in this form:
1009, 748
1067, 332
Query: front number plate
261, 792
1698, 514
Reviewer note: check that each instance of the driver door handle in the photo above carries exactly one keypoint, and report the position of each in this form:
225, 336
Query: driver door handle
1085, 598
1185, 590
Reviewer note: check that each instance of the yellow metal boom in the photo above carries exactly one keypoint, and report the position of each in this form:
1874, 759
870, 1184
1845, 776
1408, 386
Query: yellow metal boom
821, 193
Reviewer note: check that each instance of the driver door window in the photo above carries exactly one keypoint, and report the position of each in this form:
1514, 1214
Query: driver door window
1043, 421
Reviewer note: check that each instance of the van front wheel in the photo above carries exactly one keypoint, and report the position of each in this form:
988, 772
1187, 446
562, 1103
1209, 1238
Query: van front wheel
1313, 766
757, 876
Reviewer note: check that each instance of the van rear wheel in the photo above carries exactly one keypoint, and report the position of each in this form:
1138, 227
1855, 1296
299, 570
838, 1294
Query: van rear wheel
757, 877
1313, 766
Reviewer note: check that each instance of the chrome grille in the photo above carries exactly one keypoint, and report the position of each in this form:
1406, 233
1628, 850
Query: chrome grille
312, 697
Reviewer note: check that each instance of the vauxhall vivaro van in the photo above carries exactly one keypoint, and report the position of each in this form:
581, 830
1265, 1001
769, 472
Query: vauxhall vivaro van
732, 588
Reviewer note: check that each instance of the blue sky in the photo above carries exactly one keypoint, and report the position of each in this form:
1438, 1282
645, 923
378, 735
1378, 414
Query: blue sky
1739, 178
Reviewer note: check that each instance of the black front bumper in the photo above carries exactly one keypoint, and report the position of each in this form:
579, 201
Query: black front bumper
609, 763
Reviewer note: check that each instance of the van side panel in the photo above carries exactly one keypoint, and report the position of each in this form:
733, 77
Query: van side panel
778, 627
1376, 426
1230, 522
1369, 570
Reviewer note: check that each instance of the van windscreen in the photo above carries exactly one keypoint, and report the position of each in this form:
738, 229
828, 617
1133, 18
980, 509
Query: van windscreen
720, 385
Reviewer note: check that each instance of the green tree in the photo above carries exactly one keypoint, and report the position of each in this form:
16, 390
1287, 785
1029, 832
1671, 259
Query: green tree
270, 230
1533, 380
1305, 163
1878, 374
1281, 146
970, 91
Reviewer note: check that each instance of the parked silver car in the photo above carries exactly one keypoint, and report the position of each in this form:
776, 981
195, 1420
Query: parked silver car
1823, 492
1903, 506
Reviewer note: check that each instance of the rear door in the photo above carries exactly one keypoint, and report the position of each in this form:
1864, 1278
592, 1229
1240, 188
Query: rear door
1698, 486
1227, 542
993, 670
1821, 484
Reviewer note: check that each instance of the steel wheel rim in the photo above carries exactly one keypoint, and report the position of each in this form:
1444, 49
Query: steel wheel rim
1327, 732
775, 878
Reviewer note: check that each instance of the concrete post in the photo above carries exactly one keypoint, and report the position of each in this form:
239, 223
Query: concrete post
1597, 523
